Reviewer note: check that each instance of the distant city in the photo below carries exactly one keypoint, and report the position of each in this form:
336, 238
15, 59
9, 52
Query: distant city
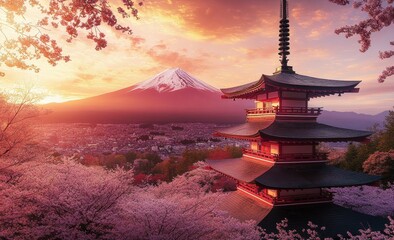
164, 139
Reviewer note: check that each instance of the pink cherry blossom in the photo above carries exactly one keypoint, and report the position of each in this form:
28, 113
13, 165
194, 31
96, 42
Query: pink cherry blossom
380, 15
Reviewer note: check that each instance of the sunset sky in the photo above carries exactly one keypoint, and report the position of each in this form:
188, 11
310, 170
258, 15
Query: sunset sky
224, 43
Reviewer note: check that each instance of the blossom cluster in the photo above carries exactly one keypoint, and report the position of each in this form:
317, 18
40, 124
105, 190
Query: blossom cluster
380, 15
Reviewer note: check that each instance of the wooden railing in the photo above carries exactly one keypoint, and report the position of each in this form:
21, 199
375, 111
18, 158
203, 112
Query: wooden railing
303, 198
270, 156
320, 156
303, 156
285, 110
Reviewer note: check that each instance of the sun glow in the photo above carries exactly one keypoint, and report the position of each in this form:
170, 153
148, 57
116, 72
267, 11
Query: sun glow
54, 99
220, 42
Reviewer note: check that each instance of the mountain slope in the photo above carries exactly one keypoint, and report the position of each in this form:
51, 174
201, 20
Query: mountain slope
173, 79
352, 120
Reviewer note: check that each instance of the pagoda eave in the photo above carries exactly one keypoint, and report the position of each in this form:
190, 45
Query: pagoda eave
311, 175
311, 131
307, 82
247, 131
309, 140
318, 87
241, 169
253, 138
335, 219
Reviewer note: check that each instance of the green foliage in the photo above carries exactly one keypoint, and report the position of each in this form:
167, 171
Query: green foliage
351, 159
175, 166
154, 158
194, 155
224, 153
235, 152
386, 141
381, 141
130, 157
114, 161
168, 168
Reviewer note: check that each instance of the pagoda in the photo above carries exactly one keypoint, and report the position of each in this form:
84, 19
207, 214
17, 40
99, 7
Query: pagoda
283, 174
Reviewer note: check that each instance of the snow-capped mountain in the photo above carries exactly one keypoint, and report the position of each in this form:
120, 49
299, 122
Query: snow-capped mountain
171, 80
171, 96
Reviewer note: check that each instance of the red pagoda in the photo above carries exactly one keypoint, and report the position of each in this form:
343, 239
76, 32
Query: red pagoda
283, 174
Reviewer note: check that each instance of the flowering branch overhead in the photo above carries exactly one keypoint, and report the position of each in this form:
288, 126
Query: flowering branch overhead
22, 42
380, 15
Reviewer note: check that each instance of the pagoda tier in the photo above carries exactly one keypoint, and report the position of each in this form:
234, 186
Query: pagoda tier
311, 175
289, 176
314, 87
278, 184
291, 131
335, 219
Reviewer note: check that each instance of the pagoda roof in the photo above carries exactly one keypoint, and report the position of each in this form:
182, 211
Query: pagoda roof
292, 131
311, 131
335, 219
294, 82
302, 81
242, 207
242, 169
240, 90
248, 129
311, 175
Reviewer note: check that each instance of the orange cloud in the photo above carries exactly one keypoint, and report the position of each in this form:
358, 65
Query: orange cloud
136, 42
169, 58
260, 53
219, 19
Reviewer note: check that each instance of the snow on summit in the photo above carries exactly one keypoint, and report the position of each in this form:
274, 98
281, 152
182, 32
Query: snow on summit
173, 79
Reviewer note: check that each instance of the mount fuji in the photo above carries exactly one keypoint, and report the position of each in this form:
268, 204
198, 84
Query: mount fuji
173, 79
171, 96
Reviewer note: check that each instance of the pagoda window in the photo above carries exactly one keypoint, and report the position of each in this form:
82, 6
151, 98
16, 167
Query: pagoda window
272, 192
254, 146
274, 149
275, 103
259, 104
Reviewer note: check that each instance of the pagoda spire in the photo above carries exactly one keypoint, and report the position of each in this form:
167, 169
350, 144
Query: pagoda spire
284, 39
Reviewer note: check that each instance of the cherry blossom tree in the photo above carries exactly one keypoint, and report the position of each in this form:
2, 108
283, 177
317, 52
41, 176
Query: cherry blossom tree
18, 110
359, 199
312, 232
22, 40
63, 200
66, 200
380, 16
179, 216
380, 163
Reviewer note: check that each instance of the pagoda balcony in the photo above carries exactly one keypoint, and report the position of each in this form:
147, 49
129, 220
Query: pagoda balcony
303, 198
319, 156
286, 111
256, 153
324, 196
